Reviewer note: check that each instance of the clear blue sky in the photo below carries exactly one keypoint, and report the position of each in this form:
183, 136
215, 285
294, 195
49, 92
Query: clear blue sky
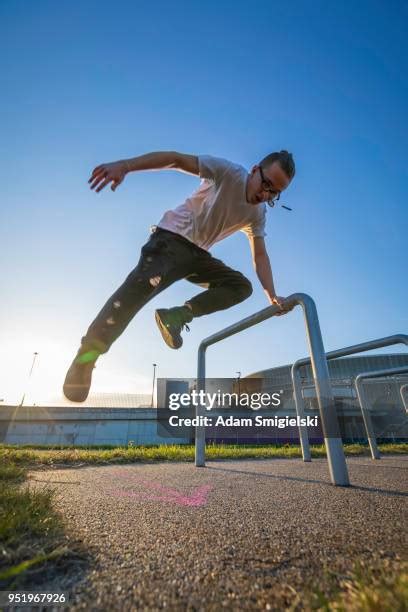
88, 82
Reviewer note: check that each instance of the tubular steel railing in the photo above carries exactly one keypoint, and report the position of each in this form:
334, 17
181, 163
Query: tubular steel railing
403, 393
343, 352
364, 405
334, 447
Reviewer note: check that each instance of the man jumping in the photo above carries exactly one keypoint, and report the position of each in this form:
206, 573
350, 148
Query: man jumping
228, 199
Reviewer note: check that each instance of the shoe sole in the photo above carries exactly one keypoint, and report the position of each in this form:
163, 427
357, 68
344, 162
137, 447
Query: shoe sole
164, 330
76, 393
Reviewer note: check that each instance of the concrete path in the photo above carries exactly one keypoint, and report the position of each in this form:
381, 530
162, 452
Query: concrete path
236, 535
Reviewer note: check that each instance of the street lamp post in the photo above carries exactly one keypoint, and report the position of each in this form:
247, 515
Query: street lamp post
29, 377
154, 380
239, 383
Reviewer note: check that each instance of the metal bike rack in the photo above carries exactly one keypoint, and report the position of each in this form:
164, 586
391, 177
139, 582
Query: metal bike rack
343, 352
334, 447
404, 389
375, 453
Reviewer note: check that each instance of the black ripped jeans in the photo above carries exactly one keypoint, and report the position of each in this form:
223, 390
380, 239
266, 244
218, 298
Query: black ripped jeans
164, 259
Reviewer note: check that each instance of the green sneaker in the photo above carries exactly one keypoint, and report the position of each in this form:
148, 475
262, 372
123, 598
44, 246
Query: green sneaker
171, 322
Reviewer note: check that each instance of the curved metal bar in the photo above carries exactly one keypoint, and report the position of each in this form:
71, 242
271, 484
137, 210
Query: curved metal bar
403, 389
358, 383
359, 348
334, 446
343, 352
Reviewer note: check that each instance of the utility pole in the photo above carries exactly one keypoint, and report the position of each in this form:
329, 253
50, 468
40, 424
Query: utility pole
28, 379
239, 383
154, 380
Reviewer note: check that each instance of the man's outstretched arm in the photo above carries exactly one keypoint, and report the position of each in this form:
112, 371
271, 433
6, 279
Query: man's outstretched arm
115, 172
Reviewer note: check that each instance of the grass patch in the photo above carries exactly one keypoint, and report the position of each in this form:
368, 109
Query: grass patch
379, 588
31, 532
11, 474
49, 456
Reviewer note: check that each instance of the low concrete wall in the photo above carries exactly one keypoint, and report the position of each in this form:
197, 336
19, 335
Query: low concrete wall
80, 426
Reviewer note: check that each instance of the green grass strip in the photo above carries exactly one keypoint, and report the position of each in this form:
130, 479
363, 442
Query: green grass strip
32, 456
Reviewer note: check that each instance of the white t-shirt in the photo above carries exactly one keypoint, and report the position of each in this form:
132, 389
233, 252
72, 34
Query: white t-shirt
218, 207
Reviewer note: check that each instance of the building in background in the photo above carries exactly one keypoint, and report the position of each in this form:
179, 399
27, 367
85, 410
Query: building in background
388, 412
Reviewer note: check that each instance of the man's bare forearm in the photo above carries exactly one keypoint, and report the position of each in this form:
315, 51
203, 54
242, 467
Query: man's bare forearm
264, 272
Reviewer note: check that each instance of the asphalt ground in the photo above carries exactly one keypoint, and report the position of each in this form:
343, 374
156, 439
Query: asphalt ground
250, 535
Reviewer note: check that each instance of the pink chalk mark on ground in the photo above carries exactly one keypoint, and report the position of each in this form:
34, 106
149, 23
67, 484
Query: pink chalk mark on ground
157, 492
